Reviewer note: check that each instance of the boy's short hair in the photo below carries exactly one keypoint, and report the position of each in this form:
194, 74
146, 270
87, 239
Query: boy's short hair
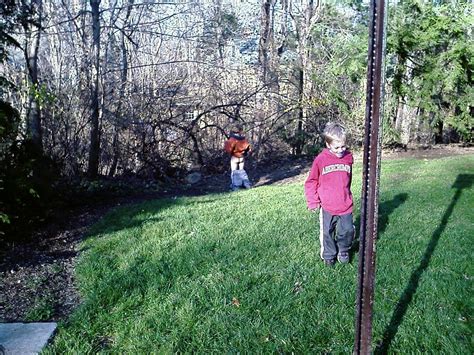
237, 127
334, 131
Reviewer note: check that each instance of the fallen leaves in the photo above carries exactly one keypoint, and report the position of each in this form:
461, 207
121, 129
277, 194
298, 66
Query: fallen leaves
298, 287
235, 302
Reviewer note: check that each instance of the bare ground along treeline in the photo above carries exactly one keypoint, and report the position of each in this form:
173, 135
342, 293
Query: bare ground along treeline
149, 89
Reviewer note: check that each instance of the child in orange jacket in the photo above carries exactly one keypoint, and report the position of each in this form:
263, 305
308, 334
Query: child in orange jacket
238, 147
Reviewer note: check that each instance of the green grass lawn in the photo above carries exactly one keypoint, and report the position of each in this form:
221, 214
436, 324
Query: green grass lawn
240, 272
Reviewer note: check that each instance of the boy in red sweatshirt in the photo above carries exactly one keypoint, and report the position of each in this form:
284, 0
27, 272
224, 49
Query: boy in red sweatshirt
328, 187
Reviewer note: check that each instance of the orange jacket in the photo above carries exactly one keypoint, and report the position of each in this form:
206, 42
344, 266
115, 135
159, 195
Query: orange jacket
237, 145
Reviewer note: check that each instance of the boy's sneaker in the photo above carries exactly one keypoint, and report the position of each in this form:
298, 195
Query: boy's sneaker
329, 262
343, 257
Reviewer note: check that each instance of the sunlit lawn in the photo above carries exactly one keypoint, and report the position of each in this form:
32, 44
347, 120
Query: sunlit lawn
240, 272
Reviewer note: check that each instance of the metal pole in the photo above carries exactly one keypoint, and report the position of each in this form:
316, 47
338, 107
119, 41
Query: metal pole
370, 182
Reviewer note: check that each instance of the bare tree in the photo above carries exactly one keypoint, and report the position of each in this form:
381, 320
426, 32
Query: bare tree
123, 82
147, 87
32, 19
94, 151
304, 19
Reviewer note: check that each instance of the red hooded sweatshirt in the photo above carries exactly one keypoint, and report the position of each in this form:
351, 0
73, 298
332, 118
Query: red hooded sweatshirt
329, 183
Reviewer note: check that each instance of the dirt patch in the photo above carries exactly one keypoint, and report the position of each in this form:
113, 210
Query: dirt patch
37, 278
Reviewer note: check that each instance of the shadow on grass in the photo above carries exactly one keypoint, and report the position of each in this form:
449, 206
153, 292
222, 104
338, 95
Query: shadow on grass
463, 181
385, 210
288, 170
130, 216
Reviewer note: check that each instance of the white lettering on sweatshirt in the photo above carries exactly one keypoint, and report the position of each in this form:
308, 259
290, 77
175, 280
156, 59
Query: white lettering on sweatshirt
336, 167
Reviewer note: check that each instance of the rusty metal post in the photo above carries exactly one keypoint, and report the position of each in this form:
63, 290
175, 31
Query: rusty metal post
370, 182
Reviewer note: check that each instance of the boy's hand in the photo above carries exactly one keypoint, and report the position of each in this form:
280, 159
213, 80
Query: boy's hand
314, 210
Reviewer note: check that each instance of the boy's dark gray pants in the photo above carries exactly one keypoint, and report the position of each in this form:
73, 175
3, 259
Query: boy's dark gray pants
336, 234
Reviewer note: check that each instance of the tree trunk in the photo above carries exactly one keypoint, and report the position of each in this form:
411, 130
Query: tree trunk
33, 35
304, 82
404, 122
123, 83
94, 150
266, 40
267, 52
404, 114
299, 141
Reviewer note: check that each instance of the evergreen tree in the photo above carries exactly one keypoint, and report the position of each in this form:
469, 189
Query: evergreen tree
432, 51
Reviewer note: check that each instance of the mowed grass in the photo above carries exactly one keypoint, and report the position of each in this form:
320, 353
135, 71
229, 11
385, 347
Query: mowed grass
240, 272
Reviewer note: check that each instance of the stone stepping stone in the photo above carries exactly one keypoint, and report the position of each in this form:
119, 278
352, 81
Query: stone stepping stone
25, 338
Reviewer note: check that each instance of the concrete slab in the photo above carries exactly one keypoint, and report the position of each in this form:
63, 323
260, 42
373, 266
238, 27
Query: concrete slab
25, 338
